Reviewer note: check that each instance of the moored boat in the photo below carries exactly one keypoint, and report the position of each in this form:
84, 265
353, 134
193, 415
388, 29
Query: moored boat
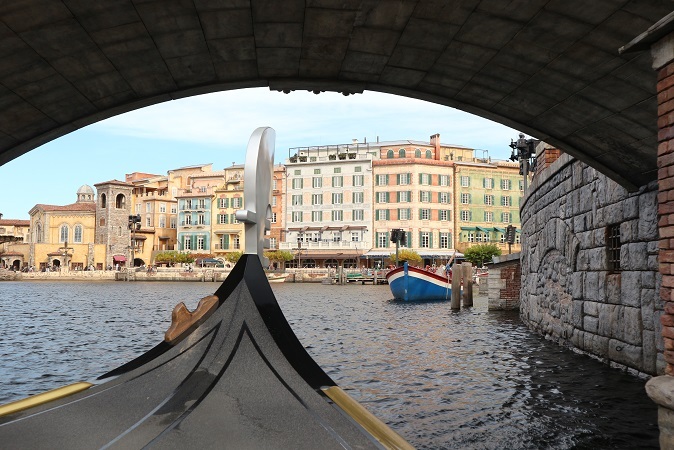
413, 284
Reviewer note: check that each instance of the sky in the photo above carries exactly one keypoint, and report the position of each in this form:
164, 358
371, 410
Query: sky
215, 128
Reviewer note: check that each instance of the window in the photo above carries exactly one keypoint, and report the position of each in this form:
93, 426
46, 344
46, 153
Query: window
337, 181
404, 196
317, 171
355, 236
274, 201
64, 233
425, 179
148, 220
444, 180
521, 185
174, 191
444, 197
382, 240
200, 243
223, 203
358, 169
488, 216
202, 189
445, 214
488, 183
298, 172
202, 203
417, 153
358, 215
337, 198
162, 207
272, 243
236, 242
465, 181
425, 196
358, 197
382, 197
174, 208
506, 217
201, 219
382, 180
139, 208
224, 242
103, 201
317, 199
77, 235
162, 221
120, 201
444, 240
297, 200
471, 237
404, 179
503, 238
273, 217
425, 239
505, 201
401, 153
404, 214
297, 216
297, 183
187, 243
337, 170
173, 222
237, 202
382, 214
613, 247
465, 216
336, 236
429, 154
389, 154
222, 218
317, 182
488, 200
316, 216
358, 180
425, 214
337, 215
465, 199
505, 185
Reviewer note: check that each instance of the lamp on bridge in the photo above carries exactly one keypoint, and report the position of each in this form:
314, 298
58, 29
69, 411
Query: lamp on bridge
524, 151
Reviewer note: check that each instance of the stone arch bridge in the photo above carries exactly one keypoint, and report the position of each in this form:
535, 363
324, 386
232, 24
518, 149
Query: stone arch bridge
551, 68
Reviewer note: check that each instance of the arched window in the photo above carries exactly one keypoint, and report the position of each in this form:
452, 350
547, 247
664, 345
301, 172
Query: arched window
389, 154
63, 237
417, 153
429, 154
103, 197
120, 203
401, 153
77, 234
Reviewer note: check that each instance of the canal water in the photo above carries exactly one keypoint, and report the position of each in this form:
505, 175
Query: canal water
442, 379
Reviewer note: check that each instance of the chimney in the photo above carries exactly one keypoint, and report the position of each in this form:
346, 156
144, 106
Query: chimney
435, 141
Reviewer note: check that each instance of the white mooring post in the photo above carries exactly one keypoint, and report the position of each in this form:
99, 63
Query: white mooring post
467, 269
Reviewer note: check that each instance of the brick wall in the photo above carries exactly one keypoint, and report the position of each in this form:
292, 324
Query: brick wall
504, 283
665, 89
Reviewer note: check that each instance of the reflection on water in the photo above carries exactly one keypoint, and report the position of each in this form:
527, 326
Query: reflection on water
442, 379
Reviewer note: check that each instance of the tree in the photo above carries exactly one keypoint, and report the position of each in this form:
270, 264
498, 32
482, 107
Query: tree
408, 255
478, 254
233, 257
279, 255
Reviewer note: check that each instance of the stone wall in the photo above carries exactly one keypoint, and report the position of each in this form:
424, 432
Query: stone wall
568, 292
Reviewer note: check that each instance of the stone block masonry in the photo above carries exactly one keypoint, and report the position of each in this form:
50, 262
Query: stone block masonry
589, 265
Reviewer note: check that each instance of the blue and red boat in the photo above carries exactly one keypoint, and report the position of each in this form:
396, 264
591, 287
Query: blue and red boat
414, 284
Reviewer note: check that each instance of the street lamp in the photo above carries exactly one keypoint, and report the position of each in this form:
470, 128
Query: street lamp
134, 224
524, 151
299, 250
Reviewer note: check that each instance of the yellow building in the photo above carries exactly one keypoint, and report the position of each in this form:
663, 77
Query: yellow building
12, 231
62, 237
228, 233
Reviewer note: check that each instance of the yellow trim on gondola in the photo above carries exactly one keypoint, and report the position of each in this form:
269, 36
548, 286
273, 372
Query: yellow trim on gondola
385, 435
45, 397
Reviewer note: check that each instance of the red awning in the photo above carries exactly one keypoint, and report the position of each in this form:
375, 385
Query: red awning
119, 258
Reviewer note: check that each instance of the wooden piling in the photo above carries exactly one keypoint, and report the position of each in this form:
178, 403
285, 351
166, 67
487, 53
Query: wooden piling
467, 284
456, 287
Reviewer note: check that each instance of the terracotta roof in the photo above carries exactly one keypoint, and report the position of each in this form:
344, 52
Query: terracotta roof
15, 222
72, 207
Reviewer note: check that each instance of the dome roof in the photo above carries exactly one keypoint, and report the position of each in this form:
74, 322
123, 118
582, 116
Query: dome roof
85, 189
